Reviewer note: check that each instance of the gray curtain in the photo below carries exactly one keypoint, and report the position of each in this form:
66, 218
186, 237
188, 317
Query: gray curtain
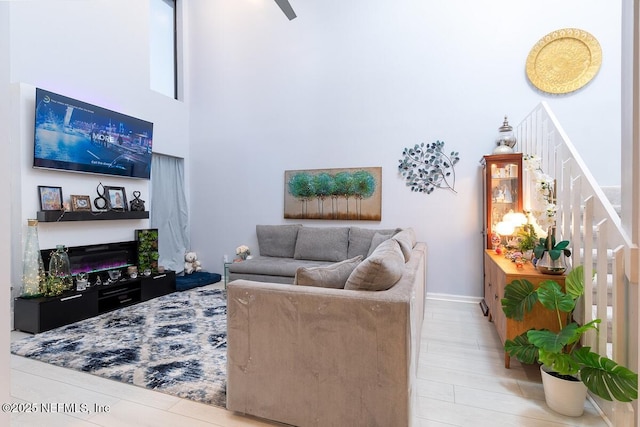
168, 210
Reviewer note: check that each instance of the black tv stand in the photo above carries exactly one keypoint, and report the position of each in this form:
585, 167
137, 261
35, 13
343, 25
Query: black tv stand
37, 315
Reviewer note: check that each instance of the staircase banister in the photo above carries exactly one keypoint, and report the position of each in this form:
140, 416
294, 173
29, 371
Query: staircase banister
594, 187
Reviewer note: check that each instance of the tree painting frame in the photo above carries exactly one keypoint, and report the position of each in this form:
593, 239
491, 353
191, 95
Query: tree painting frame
334, 194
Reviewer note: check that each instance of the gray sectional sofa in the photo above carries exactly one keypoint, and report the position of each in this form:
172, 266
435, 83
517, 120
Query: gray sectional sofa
308, 354
284, 248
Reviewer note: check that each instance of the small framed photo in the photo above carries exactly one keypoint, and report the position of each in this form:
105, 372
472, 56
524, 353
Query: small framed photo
80, 203
116, 198
50, 198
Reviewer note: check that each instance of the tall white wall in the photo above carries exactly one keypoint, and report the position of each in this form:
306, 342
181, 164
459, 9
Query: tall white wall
97, 52
5, 224
346, 84
350, 84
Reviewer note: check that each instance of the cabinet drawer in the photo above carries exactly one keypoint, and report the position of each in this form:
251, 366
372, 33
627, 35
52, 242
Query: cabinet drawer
122, 298
158, 285
39, 315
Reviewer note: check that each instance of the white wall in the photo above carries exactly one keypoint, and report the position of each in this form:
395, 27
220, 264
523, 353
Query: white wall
97, 52
350, 84
346, 84
5, 225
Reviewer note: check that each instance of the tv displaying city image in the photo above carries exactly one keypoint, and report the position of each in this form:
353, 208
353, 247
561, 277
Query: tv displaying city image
76, 136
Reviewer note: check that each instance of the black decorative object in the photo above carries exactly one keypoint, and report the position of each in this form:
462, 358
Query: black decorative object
100, 202
426, 167
137, 204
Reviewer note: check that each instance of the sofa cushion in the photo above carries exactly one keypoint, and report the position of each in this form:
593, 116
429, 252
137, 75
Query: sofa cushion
379, 271
330, 276
407, 240
277, 240
322, 243
272, 266
360, 240
376, 240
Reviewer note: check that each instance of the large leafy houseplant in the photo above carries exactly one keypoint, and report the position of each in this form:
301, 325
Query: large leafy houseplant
561, 351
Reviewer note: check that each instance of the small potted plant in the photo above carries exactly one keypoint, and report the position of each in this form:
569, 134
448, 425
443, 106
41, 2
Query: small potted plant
560, 353
549, 254
527, 239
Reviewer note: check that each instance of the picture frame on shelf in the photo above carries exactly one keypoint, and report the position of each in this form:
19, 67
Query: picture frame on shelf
116, 198
50, 198
80, 203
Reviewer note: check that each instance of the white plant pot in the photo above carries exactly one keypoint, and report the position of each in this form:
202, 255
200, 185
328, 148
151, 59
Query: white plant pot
563, 396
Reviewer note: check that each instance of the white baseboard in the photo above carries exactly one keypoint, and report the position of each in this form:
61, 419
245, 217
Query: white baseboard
455, 298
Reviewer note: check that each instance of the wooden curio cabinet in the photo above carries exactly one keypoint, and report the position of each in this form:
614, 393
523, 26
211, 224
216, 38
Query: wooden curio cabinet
502, 189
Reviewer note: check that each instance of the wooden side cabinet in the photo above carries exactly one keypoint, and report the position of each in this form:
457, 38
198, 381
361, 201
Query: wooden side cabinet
502, 189
500, 271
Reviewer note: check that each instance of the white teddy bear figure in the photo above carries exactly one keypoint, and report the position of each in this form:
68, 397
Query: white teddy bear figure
191, 263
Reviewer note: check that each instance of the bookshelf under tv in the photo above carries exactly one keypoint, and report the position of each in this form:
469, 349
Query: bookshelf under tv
60, 216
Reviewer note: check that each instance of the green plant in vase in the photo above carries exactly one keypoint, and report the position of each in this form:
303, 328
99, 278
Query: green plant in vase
550, 255
548, 244
560, 352
527, 238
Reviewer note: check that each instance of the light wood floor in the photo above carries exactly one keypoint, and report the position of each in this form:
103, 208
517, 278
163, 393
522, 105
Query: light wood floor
461, 382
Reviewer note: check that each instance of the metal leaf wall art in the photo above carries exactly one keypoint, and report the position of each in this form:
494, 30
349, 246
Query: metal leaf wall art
425, 167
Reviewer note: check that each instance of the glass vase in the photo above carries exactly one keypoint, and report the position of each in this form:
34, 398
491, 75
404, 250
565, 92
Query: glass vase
33, 275
60, 268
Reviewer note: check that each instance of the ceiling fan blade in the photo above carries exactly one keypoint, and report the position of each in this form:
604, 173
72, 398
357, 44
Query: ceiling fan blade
286, 8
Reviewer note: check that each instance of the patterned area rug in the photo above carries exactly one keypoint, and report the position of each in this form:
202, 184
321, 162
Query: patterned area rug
176, 344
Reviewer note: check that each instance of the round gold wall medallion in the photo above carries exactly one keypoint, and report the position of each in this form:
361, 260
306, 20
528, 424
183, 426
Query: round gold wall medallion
564, 61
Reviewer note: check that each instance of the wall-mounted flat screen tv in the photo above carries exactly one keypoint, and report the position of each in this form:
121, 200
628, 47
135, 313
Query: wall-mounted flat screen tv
76, 136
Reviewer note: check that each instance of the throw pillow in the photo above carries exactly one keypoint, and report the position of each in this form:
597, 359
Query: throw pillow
360, 239
322, 243
376, 240
327, 276
380, 271
407, 240
277, 240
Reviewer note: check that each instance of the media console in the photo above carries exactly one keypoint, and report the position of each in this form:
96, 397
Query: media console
36, 315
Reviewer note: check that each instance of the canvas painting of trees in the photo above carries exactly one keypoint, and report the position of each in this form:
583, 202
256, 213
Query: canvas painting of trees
334, 194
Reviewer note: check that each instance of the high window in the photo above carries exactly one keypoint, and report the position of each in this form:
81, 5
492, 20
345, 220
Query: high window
163, 49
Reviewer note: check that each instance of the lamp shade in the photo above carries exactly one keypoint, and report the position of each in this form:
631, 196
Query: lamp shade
505, 228
518, 219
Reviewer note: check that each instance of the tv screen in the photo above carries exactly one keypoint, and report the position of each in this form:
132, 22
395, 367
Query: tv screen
75, 136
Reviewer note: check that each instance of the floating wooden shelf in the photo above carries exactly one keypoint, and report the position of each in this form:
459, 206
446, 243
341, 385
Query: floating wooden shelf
60, 216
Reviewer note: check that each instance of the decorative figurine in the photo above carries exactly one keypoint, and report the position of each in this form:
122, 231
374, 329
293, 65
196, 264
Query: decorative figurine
100, 202
495, 241
136, 204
